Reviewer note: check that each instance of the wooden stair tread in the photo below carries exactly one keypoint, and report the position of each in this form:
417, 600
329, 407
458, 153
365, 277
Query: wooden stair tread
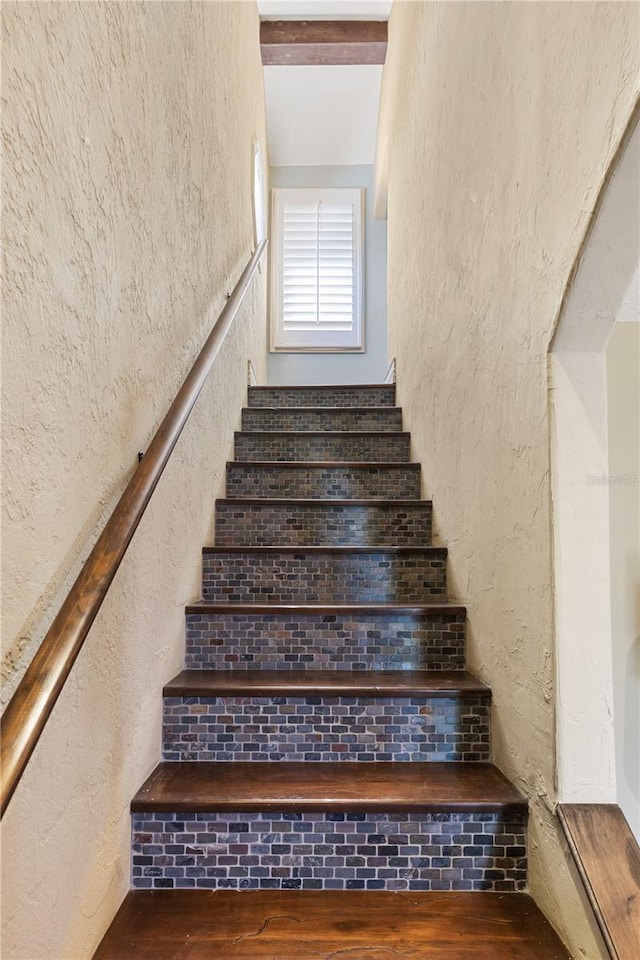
327, 548
404, 609
323, 433
370, 683
301, 464
316, 925
342, 409
210, 786
319, 501
324, 386
608, 860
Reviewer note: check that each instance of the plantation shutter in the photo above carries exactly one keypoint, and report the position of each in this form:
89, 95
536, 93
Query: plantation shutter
318, 272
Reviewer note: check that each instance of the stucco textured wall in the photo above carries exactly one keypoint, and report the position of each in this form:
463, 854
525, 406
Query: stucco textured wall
128, 134
499, 121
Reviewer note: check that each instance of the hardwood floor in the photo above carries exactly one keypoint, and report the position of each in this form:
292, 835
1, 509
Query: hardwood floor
328, 925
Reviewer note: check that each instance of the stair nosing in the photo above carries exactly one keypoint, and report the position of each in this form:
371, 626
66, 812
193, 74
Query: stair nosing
323, 433
208, 606
372, 408
325, 386
372, 464
325, 772
364, 502
329, 548
279, 683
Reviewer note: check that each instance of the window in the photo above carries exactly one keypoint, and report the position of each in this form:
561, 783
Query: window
317, 255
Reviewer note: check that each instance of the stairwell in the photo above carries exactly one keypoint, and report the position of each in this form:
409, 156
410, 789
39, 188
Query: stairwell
326, 787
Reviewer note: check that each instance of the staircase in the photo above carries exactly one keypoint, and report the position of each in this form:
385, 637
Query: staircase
325, 751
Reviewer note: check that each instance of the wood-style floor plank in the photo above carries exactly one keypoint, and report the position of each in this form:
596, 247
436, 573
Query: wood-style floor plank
608, 859
328, 925
193, 786
296, 683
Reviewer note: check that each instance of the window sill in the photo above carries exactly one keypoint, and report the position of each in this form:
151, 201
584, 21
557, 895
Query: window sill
316, 350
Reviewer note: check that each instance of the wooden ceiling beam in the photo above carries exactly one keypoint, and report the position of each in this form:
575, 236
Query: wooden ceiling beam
322, 42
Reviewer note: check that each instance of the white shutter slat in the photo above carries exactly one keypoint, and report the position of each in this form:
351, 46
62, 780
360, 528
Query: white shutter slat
318, 268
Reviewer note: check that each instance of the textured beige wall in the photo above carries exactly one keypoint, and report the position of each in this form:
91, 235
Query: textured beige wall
623, 402
499, 122
127, 217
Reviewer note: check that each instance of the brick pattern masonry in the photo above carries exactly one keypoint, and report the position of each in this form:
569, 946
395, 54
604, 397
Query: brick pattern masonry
321, 850
323, 577
292, 641
380, 396
343, 851
384, 448
297, 524
368, 418
326, 728
393, 482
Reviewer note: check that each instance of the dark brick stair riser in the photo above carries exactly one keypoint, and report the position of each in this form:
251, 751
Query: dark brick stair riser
297, 524
323, 577
338, 851
289, 640
379, 396
323, 574
315, 728
385, 419
393, 482
363, 447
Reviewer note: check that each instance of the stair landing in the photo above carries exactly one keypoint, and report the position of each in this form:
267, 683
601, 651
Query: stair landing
323, 925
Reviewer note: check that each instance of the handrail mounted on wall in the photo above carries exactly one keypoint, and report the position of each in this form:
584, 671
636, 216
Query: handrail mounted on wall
30, 707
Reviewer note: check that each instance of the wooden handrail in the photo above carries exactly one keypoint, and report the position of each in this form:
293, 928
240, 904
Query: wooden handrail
30, 707
607, 857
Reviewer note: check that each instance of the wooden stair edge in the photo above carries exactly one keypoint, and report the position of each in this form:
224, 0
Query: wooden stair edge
206, 786
373, 408
323, 433
325, 386
607, 857
434, 607
428, 549
322, 501
379, 683
328, 464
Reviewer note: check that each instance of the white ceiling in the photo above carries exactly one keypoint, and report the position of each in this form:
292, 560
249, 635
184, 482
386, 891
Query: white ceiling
322, 115
324, 9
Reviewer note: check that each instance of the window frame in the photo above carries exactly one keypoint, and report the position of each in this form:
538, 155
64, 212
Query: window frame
258, 194
317, 341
